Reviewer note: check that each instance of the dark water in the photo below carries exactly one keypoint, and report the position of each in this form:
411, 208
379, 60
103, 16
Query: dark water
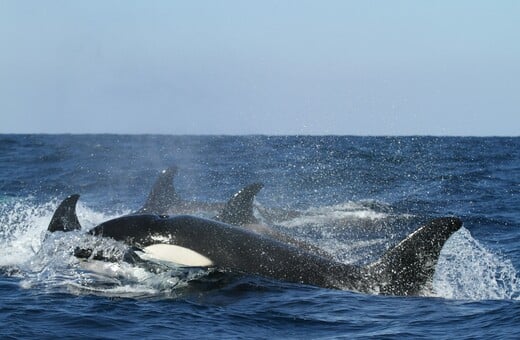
356, 197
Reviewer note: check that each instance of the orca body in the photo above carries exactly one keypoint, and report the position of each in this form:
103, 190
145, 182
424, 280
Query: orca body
406, 269
238, 210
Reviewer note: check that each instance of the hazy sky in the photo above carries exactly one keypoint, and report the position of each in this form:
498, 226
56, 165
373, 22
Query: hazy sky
260, 67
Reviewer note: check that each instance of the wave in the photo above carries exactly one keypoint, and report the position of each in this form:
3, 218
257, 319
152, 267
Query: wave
329, 214
466, 269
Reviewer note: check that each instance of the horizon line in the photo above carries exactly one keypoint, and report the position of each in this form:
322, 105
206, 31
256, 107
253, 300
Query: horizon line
250, 135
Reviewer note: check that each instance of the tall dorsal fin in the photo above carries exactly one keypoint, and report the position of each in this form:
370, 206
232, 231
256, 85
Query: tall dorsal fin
239, 209
65, 218
408, 268
163, 194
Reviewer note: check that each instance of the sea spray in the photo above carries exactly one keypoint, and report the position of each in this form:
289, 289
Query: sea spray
467, 270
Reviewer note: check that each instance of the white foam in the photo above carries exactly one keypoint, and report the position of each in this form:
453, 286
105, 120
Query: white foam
45, 261
23, 226
329, 214
467, 270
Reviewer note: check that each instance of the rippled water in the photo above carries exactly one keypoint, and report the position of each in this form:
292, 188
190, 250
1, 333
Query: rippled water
355, 197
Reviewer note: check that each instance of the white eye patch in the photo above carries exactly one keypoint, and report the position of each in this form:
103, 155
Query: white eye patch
176, 254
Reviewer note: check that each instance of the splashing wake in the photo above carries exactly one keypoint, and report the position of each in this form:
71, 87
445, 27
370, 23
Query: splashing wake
466, 269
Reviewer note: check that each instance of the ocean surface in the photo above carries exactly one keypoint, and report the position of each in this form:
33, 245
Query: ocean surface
354, 197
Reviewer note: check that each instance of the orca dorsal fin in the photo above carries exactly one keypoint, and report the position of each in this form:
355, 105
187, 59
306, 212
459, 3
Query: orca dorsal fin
163, 194
65, 218
239, 209
408, 268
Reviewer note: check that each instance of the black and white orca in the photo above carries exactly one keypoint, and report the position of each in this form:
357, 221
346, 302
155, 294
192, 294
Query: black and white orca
238, 210
163, 199
406, 269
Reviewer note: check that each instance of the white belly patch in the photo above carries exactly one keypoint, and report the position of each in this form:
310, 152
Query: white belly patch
176, 254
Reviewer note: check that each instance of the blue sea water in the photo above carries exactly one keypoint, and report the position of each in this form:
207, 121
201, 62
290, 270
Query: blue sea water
355, 198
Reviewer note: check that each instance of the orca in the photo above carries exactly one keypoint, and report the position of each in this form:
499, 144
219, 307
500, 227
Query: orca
238, 210
163, 199
65, 218
406, 269
163, 195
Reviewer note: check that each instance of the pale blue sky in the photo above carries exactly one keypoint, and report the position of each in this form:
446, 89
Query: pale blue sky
260, 67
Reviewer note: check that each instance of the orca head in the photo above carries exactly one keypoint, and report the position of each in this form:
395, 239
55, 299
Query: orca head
153, 239
65, 218
239, 209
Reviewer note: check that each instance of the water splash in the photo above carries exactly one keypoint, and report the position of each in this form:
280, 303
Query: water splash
332, 214
23, 225
21, 229
354, 232
45, 262
467, 270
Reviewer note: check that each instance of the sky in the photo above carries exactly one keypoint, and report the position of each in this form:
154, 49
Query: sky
260, 67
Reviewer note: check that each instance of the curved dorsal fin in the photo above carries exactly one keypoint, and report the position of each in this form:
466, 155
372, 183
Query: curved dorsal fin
408, 268
163, 194
239, 209
65, 218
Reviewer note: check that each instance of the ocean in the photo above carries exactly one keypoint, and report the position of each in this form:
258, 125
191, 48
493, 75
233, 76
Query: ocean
354, 197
